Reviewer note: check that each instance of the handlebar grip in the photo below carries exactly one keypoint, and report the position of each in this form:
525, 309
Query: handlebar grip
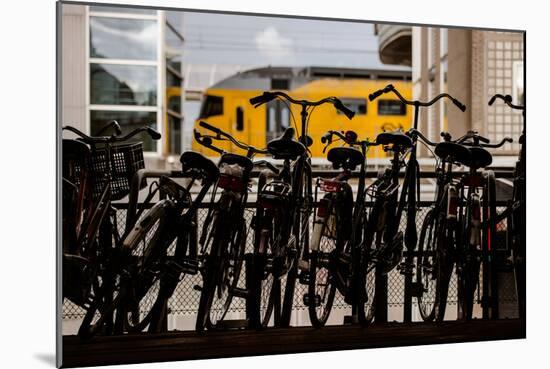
118, 130
375, 94
492, 101
340, 106
155, 135
210, 127
262, 99
460, 105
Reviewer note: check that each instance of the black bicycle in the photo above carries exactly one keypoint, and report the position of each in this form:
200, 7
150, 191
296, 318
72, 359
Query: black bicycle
515, 212
92, 265
170, 221
411, 191
223, 238
290, 241
338, 227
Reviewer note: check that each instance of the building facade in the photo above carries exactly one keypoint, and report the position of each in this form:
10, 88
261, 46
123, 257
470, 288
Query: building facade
471, 65
125, 64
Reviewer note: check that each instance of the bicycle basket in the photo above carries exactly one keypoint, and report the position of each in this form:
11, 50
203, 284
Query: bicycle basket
126, 160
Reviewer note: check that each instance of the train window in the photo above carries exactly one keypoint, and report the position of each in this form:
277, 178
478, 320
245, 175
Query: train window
391, 107
212, 105
358, 106
240, 119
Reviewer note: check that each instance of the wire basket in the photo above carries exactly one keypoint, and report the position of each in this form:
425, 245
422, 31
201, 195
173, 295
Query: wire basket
126, 160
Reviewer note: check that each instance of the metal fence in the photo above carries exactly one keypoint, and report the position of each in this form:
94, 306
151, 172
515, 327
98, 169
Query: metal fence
185, 299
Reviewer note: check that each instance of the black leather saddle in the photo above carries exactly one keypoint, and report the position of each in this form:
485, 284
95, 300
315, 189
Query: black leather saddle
285, 147
396, 138
345, 157
191, 159
481, 158
453, 152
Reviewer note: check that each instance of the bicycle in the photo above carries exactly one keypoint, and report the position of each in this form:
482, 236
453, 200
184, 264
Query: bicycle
292, 237
410, 191
336, 248
222, 243
171, 220
96, 171
515, 212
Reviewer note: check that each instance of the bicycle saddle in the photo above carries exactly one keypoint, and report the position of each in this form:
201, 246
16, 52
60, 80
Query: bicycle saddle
453, 152
240, 160
285, 147
191, 159
397, 138
480, 157
345, 157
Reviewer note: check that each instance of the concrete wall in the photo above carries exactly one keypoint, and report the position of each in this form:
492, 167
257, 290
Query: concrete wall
73, 66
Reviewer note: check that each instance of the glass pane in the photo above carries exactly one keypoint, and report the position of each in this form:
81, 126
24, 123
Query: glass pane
172, 80
175, 19
174, 138
117, 9
113, 84
173, 95
358, 106
118, 38
128, 120
213, 105
174, 49
391, 107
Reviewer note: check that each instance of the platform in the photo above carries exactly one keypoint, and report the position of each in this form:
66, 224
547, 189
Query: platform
174, 346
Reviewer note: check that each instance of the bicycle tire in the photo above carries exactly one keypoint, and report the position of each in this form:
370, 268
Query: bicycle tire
321, 265
154, 230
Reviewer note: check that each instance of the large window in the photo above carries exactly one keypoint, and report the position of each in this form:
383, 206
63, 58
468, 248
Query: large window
124, 70
173, 48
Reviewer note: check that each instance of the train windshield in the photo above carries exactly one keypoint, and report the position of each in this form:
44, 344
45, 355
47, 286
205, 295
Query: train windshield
212, 105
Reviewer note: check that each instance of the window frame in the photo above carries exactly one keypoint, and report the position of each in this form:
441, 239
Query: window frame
159, 17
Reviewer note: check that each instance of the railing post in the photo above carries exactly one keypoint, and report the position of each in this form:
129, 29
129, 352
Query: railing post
381, 293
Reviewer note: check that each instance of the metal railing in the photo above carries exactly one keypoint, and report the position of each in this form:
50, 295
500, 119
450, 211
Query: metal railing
185, 299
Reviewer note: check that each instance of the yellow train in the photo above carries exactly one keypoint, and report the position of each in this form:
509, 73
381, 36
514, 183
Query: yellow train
226, 105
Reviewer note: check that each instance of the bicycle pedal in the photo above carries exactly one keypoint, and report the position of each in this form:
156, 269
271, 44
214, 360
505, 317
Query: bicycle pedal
239, 292
308, 301
190, 266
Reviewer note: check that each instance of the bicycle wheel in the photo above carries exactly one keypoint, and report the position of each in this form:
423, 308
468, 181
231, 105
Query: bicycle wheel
147, 245
267, 283
321, 289
426, 268
221, 272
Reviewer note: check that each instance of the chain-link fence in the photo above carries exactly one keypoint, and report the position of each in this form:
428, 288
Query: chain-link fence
185, 299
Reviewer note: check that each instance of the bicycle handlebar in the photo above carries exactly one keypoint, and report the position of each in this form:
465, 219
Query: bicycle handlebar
417, 133
267, 96
219, 134
507, 100
348, 137
416, 103
114, 124
492, 146
154, 134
